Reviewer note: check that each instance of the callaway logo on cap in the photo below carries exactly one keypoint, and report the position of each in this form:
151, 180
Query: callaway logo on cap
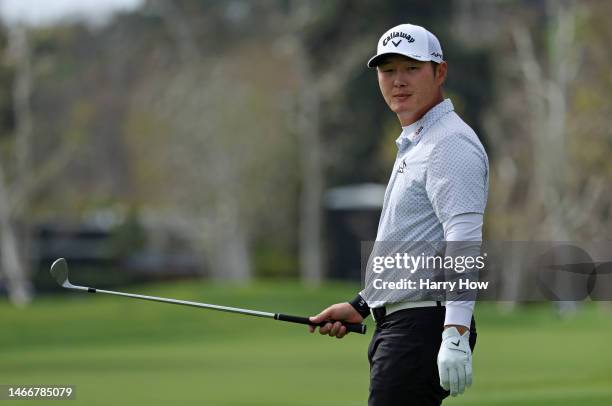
409, 40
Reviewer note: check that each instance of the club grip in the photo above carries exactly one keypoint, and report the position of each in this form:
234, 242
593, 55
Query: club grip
352, 327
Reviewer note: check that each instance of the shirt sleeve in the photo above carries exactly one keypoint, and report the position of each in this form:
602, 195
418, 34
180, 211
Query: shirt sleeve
457, 176
465, 228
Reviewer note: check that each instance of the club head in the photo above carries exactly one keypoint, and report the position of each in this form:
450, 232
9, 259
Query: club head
59, 271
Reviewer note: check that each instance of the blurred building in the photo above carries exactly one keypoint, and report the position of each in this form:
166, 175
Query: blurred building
352, 215
114, 253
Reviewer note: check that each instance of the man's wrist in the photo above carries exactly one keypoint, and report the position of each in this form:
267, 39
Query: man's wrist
361, 306
460, 329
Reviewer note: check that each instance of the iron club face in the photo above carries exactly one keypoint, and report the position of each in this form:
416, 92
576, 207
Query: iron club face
59, 271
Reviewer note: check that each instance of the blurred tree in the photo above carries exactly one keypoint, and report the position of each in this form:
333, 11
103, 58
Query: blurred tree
540, 51
22, 174
590, 142
218, 152
544, 123
12, 261
314, 90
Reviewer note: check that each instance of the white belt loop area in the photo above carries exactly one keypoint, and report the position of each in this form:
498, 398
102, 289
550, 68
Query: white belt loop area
395, 307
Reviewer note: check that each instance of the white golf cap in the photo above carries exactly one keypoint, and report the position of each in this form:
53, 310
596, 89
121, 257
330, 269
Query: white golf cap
409, 40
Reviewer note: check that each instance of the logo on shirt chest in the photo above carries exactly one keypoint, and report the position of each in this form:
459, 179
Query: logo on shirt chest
402, 166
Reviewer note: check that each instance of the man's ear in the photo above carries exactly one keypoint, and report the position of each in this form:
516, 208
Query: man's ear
440, 71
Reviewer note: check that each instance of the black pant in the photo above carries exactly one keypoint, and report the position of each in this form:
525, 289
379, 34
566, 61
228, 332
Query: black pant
403, 358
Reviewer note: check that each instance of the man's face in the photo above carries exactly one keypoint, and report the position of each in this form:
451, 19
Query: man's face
410, 87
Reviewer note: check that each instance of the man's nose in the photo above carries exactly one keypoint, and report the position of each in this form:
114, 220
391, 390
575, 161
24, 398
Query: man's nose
400, 80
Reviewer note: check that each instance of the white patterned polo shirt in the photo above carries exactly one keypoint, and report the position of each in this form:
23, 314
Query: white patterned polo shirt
441, 170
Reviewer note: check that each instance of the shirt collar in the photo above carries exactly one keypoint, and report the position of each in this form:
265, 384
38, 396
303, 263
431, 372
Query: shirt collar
407, 135
412, 133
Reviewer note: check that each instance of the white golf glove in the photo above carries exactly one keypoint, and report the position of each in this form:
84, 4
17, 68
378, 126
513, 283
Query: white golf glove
455, 361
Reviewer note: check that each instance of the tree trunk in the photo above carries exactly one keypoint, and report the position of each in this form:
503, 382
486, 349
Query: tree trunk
311, 264
12, 247
17, 284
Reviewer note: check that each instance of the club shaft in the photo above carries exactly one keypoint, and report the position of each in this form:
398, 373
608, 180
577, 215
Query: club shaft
59, 270
185, 303
354, 327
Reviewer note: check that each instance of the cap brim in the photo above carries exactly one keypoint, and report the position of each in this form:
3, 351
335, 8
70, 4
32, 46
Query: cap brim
377, 59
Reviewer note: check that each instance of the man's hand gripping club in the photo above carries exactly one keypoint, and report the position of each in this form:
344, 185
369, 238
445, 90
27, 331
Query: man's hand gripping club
342, 312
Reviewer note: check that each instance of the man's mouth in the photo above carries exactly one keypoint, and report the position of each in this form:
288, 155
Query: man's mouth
401, 97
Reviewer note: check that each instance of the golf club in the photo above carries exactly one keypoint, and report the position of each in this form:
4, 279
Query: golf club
59, 270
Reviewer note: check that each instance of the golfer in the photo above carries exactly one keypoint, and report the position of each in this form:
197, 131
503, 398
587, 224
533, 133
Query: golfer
421, 350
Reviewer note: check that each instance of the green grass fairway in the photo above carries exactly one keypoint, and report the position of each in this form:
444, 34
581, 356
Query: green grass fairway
125, 352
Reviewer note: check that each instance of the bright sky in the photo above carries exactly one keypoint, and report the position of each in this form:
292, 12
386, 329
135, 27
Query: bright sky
46, 12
